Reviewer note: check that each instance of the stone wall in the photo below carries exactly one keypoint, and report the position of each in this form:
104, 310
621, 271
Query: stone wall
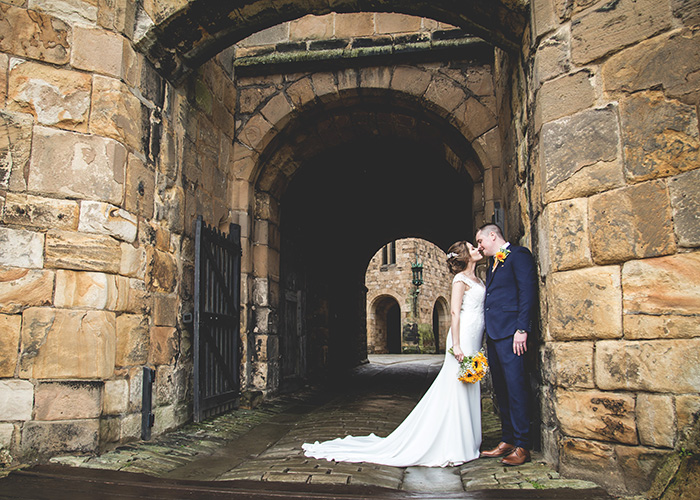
394, 281
102, 168
615, 203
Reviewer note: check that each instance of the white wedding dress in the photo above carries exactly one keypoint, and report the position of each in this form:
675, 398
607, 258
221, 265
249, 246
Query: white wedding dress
444, 428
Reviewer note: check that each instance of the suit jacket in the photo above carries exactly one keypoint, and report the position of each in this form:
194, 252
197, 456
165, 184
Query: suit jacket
511, 294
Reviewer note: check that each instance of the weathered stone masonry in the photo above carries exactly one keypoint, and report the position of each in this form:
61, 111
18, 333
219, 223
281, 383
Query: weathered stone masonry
588, 139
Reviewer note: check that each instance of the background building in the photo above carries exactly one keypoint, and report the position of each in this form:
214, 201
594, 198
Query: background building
398, 319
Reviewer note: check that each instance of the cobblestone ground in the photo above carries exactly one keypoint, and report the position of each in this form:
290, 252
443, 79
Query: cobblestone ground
264, 444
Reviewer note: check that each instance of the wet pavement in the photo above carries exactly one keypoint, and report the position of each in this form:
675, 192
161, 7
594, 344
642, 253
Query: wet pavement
260, 449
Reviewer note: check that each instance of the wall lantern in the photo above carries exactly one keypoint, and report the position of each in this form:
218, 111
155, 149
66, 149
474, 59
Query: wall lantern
417, 270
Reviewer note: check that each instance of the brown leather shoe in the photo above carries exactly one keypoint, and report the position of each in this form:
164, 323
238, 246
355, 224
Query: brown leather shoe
501, 450
518, 457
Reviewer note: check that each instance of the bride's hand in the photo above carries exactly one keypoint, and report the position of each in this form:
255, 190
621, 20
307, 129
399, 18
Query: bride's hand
457, 351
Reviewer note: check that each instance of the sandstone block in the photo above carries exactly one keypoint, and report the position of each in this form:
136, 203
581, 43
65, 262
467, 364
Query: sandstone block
117, 113
162, 273
687, 418
165, 386
139, 297
686, 10
277, 110
62, 344
585, 304
543, 17
601, 416
671, 366
66, 164
165, 310
6, 434
67, 400
15, 149
586, 459
34, 35
102, 218
254, 131
600, 31
56, 97
354, 25
631, 222
564, 96
266, 347
567, 223
44, 439
667, 61
252, 97
311, 28
133, 261
655, 420
16, 399
410, 80
579, 154
133, 338
21, 288
164, 345
447, 95
475, 118
40, 213
135, 389
140, 188
89, 290
569, 364
660, 137
301, 92
685, 200
115, 399
98, 51
10, 327
82, 252
4, 63
79, 11
639, 466
20, 248
665, 285
388, 23
553, 56
667, 326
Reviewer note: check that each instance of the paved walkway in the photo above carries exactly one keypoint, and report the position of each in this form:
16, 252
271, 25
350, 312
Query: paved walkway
264, 444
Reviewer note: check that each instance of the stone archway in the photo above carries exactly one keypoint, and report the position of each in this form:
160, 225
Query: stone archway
441, 322
384, 326
181, 37
598, 139
453, 123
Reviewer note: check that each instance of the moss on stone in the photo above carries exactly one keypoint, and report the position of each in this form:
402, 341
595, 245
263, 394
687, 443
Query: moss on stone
426, 338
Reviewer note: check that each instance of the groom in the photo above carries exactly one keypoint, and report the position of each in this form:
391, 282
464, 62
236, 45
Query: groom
511, 291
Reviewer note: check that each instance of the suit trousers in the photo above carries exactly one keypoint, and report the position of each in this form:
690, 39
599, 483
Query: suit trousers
511, 387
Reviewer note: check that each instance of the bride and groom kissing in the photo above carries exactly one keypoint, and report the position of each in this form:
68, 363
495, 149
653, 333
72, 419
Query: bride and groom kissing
444, 428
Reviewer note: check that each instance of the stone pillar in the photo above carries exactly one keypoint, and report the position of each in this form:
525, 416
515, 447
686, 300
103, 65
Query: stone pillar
617, 156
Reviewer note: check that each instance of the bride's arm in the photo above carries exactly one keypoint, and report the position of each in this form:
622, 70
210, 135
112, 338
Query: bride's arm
458, 289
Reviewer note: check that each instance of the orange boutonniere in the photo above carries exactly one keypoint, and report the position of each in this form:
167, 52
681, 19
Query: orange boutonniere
500, 257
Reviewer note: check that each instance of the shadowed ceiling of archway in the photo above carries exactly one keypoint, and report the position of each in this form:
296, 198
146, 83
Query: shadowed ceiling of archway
366, 114
201, 29
351, 199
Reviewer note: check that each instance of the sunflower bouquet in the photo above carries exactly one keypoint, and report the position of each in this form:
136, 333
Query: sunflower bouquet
472, 368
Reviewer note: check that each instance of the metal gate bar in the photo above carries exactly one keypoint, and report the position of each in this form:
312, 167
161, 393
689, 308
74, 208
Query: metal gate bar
217, 314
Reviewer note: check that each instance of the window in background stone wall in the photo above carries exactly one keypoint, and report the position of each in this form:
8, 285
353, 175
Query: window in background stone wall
389, 254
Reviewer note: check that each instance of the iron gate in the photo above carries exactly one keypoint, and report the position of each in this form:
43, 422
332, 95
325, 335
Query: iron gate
217, 276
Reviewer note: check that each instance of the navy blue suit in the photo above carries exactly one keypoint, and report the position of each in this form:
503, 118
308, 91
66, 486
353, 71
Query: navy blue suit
511, 296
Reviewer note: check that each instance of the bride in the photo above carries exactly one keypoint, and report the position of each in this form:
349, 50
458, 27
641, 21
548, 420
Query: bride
444, 428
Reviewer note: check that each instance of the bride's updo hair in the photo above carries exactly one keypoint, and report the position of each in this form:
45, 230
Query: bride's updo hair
457, 257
